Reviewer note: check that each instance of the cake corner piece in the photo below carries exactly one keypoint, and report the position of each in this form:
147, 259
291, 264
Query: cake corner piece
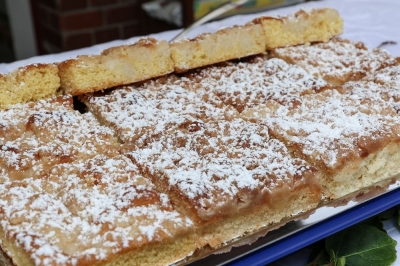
29, 83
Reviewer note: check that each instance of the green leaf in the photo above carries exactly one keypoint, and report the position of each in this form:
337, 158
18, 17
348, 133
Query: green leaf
332, 254
341, 261
362, 244
376, 222
319, 258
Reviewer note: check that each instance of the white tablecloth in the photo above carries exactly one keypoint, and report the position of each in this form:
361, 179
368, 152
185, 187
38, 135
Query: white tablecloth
369, 21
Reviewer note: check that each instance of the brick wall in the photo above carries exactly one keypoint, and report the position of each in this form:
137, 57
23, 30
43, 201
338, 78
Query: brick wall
6, 43
63, 25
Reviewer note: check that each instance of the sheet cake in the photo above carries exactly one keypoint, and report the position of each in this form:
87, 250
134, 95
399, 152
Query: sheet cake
154, 172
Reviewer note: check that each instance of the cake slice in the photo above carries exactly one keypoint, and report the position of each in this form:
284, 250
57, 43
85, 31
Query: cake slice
337, 61
29, 83
353, 141
13, 120
229, 177
69, 197
210, 48
304, 26
252, 82
39, 135
99, 211
116, 66
383, 84
144, 112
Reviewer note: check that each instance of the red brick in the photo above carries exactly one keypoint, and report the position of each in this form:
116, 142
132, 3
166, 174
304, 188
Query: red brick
54, 37
129, 12
102, 2
49, 18
131, 30
76, 41
107, 35
85, 20
49, 3
68, 5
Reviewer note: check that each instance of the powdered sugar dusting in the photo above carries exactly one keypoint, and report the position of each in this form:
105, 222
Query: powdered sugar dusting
222, 167
87, 193
330, 128
337, 61
66, 179
382, 85
248, 84
144, 112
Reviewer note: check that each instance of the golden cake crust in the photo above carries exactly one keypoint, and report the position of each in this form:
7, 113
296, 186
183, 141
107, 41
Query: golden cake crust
225, 44
29, 83
116, 66
304, 26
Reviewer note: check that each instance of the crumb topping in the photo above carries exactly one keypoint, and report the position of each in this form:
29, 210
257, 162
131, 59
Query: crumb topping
337, 61
382, 85
143, 113
65, 178
223, 166
248, 84
66, 182
330, 128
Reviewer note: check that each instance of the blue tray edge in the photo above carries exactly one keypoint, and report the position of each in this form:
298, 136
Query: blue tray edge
320, 230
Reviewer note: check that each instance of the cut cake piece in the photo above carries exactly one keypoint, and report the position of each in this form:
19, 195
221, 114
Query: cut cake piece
139, 114
116, 66
383, 84
29, 83
100, 211
337, 61
253, 82
38, 135
68, 197
229, 177
225, 44
353, 141
304, 26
